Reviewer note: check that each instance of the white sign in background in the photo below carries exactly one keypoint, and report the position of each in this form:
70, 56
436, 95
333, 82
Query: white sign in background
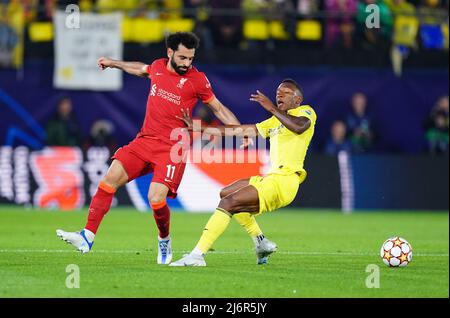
77, 50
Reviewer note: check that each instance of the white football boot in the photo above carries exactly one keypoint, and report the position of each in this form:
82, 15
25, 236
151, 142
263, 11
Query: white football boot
164, 251
263, 250
77, 239
190, 260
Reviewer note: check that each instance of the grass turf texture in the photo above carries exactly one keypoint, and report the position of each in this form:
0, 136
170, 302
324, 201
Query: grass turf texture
321, 254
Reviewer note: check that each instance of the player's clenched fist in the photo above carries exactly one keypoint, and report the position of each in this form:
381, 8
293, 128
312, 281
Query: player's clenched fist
104, 62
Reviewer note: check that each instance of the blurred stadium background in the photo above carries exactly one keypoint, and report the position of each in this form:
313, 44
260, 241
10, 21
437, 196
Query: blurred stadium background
380, 93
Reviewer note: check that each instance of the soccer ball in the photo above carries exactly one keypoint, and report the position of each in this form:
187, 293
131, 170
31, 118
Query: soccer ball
396, 252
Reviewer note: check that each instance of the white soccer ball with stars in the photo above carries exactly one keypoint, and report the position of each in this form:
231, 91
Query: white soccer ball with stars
396, 252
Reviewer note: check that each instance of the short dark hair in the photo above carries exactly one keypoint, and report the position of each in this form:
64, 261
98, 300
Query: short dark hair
187, 39
294, 83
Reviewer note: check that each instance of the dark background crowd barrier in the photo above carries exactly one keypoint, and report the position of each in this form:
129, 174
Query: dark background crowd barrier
401, 182
404, 182
398, 106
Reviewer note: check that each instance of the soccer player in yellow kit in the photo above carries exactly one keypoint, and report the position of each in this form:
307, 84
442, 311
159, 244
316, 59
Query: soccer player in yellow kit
290, 130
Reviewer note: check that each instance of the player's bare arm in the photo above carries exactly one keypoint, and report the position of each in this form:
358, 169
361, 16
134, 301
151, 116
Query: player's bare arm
225, 115
133, 68
248, 131
297, 125
228, 130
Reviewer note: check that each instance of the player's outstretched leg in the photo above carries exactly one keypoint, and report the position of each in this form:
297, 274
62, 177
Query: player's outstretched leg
245, 199
263, 247
216, 225
101, 202
100, 205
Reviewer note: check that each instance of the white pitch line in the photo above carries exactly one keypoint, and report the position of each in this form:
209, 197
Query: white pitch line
218, 252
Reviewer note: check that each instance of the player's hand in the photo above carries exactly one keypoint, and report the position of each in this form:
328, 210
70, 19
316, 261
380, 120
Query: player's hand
104, 62
186, 119
246, 142
263, 100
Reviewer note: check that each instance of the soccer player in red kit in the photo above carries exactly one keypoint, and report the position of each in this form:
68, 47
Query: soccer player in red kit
176, 85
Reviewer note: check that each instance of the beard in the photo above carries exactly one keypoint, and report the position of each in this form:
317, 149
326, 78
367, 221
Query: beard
181, 70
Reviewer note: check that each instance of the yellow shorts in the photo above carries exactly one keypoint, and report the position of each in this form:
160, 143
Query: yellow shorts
275, 191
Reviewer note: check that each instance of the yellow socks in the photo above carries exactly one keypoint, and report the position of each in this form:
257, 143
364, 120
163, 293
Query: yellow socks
216, 225
248, 222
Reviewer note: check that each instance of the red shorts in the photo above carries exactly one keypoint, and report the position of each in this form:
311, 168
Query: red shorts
144, 155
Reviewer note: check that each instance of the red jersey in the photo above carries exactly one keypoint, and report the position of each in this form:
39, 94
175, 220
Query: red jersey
169, 93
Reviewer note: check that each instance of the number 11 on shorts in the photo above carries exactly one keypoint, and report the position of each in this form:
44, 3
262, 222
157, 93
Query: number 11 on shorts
170, 171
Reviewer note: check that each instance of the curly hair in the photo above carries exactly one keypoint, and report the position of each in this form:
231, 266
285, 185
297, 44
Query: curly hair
187, 39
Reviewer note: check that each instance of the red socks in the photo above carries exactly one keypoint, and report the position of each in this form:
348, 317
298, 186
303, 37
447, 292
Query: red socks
161, 214
100, 205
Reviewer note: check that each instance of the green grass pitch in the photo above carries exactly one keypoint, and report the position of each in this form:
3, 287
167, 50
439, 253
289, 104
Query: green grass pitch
321, 254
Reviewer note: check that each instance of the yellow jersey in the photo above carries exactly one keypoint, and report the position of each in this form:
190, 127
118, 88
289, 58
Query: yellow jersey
288, 149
